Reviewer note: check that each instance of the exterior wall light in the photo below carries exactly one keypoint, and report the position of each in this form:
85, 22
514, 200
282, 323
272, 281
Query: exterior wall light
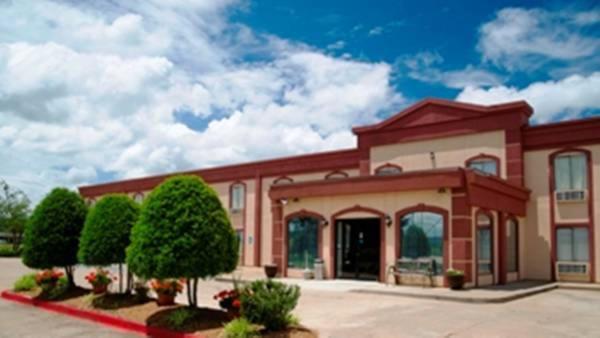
284, 201
388, 220
324, 222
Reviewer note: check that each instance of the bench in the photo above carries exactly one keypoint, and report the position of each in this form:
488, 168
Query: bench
424, 267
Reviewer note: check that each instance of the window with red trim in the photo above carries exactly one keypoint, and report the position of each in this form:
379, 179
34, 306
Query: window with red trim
388, 169
237, 196
485, 255
484, 164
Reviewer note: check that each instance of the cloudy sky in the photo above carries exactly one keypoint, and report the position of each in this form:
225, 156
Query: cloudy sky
92, 91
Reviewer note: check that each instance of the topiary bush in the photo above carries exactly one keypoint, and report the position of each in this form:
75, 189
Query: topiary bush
270, 303
183, 232
106, 232
52, 232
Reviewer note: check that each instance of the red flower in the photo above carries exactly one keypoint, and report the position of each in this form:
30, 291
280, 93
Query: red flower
236, 303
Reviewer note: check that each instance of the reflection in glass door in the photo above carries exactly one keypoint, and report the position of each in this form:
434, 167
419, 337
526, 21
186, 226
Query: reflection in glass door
357, 248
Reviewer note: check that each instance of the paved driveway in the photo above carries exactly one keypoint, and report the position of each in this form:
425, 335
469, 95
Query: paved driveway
559, 313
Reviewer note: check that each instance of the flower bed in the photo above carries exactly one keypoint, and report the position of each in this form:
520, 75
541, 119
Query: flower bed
143, 316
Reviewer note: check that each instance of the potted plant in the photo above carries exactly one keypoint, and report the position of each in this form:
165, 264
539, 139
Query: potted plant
166, 290
456, 278
229, 300
271, 270
47, 279
100, 280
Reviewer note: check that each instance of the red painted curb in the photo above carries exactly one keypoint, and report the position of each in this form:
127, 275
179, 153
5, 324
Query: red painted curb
98, 317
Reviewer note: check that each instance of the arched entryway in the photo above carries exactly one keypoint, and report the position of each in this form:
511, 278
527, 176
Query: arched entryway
358, 244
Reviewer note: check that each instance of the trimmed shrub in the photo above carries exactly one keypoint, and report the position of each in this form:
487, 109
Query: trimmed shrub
25, 283
106, 232
183, 232
270, 303
240, 328
52, 232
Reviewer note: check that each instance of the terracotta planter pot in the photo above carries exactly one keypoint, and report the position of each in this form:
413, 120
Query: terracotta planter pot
271, 270
456, 282
99, 288
165, 299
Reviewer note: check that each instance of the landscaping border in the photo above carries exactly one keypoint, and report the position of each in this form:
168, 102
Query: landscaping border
97, 317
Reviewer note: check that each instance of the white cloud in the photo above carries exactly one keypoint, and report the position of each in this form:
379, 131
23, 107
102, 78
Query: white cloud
377, 30
424, 66
90, 88
340, 44
525, 39
551, 100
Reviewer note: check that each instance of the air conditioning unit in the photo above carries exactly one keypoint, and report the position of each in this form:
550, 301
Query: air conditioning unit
573, 271
571, 195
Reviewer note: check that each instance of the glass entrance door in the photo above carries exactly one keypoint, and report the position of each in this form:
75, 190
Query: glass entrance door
357, 244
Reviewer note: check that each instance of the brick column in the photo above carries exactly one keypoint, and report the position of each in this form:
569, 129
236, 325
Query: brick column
501, 248
514, 157
278, 243
462, 234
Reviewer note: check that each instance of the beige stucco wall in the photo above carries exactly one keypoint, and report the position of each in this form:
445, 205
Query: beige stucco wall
449, 151
388, 203
537, 237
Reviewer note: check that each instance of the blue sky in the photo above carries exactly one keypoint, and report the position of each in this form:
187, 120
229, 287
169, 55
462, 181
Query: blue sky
104, 90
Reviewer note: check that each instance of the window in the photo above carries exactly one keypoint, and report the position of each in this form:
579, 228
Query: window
388, 169
570, 172
572, 245
484, 165
240, 236
303, 235
336, 175
237, 197
485, 260
512, 246
422, 237
283, 180
138, 197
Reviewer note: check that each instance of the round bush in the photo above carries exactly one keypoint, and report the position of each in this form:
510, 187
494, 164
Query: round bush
52, 232
105, 235
183, 231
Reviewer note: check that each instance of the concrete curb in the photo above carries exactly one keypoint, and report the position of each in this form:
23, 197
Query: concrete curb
97, 317
464, 299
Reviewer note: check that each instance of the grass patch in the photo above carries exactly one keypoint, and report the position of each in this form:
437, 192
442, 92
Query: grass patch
6, 250
240, 328
179, 317
25, 283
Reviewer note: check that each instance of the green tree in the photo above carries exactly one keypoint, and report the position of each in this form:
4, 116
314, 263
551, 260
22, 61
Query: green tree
52, 232
415, 243
14, 211
106, 232
183, 232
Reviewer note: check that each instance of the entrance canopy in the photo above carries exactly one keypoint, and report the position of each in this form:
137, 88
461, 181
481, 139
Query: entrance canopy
482, 190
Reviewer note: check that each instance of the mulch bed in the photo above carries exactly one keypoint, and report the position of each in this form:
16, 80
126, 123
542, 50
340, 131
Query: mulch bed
205, 322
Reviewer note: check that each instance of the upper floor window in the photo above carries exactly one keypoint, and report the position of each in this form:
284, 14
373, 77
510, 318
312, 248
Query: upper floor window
570, 172
388, 169
336, 175
484, 164
138, 197
283, 180
237, 196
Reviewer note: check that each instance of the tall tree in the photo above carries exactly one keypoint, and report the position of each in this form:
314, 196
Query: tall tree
183, 232
105, 235
14, 211
52, 232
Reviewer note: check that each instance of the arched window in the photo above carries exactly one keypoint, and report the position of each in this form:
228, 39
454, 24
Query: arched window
512, 245
303, 247
283, 180
486, 164
422, 238
138, 197
388, 169
485, 256
336, 175
237, 197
